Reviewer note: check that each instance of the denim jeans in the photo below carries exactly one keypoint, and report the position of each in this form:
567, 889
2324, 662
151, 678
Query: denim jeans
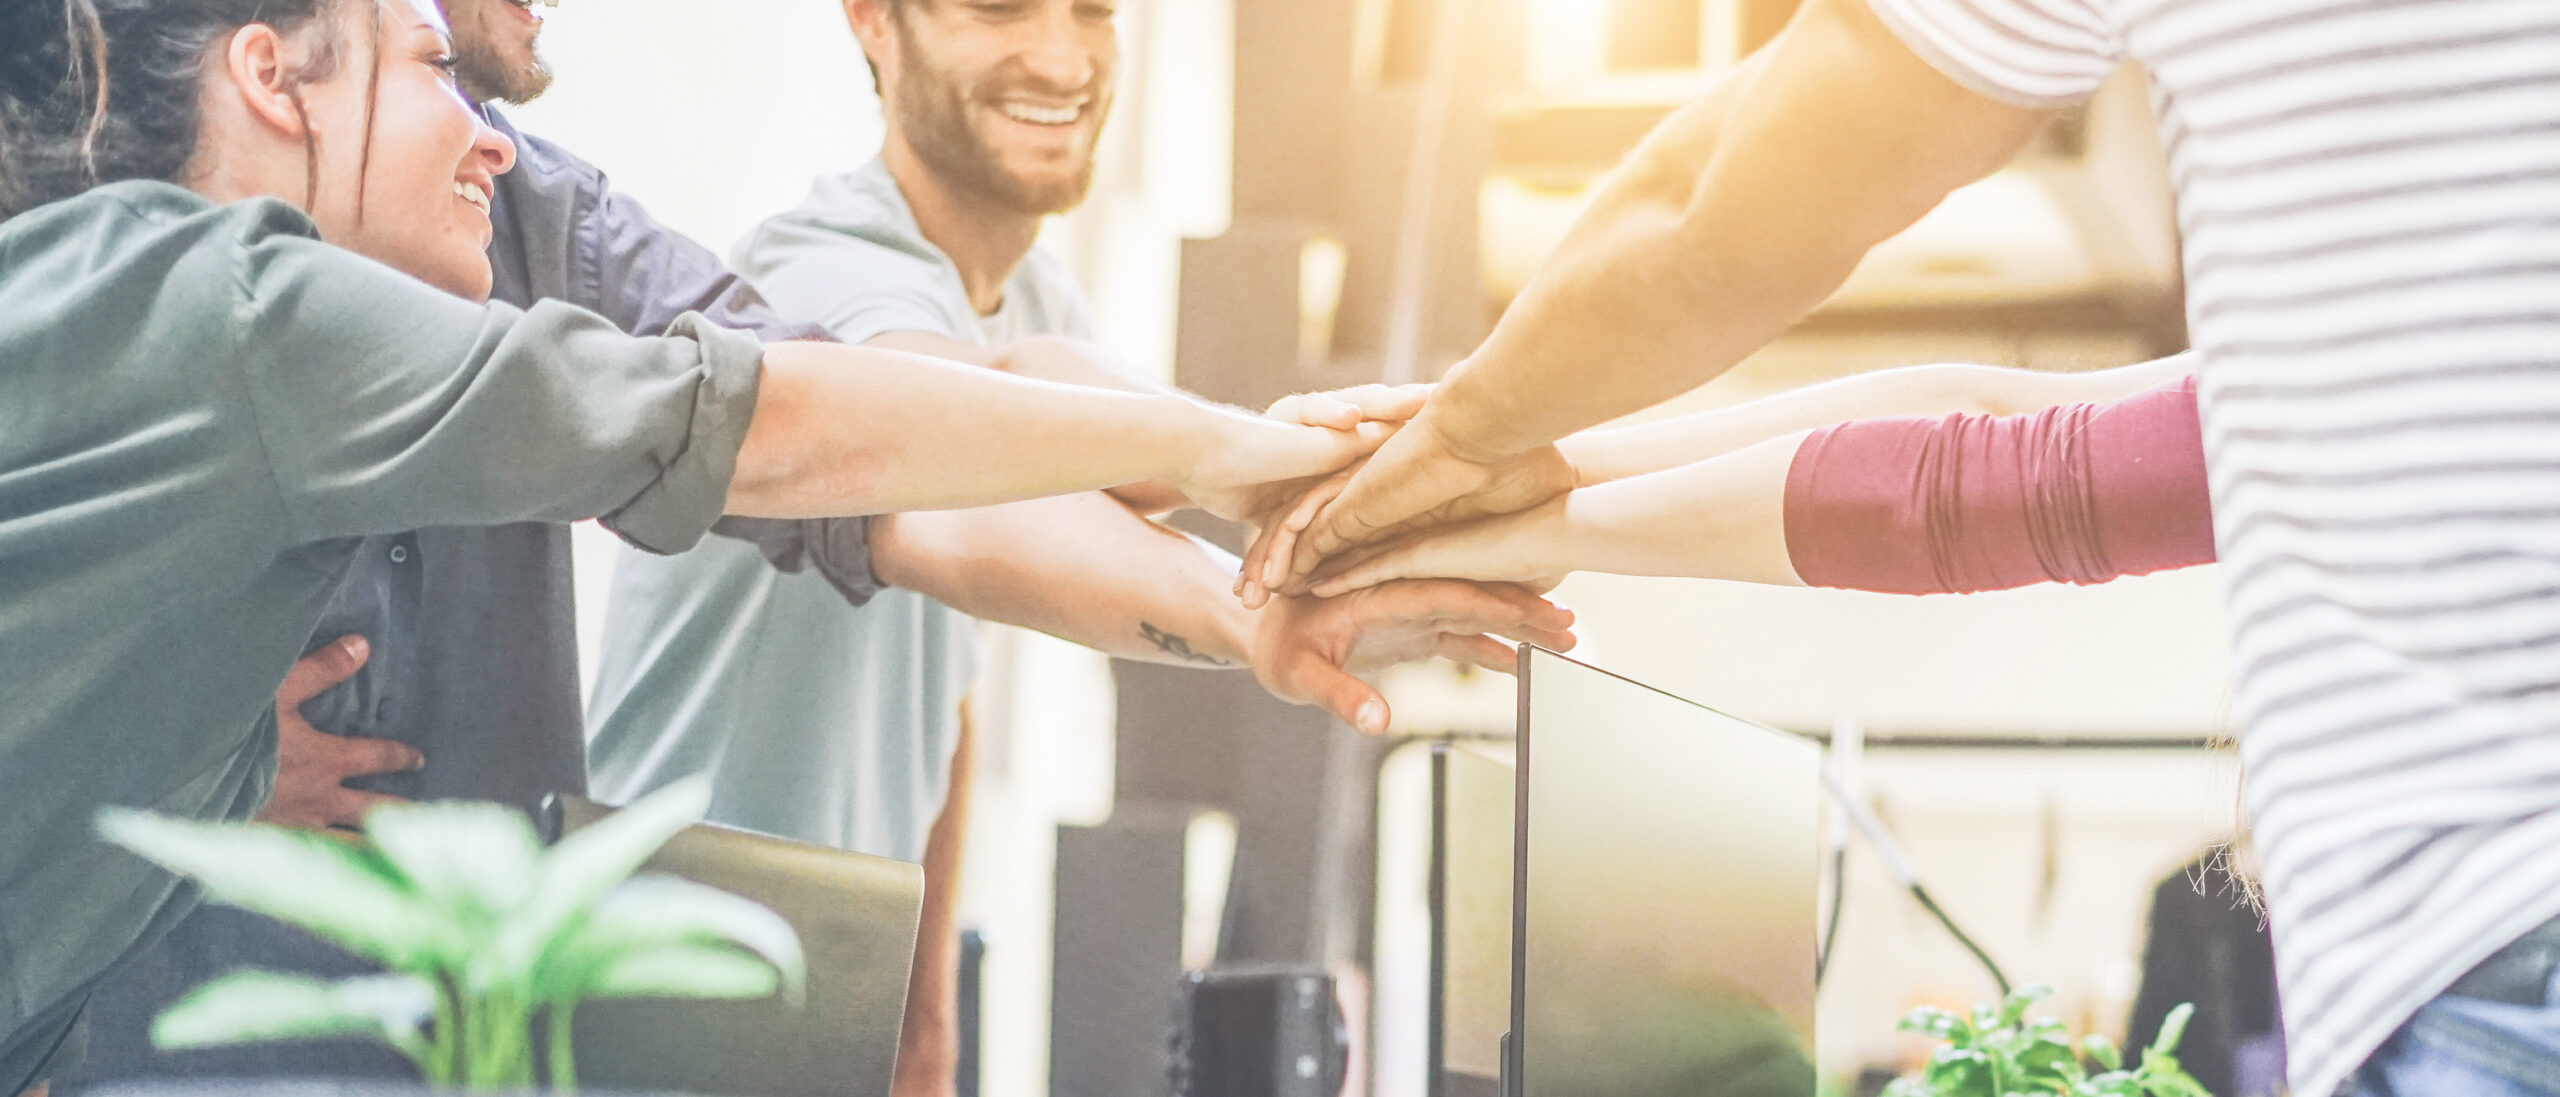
2500, 1040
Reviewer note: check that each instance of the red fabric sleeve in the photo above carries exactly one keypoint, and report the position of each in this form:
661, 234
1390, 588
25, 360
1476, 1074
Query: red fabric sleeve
2081, 493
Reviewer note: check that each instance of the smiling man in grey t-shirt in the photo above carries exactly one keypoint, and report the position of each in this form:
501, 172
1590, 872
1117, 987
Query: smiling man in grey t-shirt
846, 728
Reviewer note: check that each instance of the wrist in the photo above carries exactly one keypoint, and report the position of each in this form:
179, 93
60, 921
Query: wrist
1471, 422
1195, 432
1240, 630
1595, 456
1559, 530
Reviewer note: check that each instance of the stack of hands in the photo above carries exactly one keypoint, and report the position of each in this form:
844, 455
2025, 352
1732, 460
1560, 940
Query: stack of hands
1416, 506
1376, 544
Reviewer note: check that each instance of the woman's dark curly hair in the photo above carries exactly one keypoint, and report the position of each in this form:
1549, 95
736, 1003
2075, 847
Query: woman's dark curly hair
99, 91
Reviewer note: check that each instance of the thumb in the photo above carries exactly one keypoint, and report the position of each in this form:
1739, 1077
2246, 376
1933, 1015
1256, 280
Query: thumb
1339, 692
326, 666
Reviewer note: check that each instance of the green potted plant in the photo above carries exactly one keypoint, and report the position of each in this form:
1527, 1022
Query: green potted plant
485, 934
2000, 1052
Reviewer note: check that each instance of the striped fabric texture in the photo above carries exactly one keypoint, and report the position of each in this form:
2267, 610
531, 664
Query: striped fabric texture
2369, 192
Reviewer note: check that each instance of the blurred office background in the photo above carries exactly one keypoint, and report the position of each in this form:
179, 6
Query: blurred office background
2044, 754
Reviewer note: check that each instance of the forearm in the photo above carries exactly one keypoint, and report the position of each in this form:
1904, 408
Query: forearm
2078, 493
1599, 456
930, 1038
864, 430
1735, 218
1076, 362
1082, 568
1723, 518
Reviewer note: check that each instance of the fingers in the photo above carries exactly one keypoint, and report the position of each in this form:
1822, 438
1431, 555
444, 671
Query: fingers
1279, 537
1366, 507
1370, 565
360, 757
326, 666
1395, 403
1555, 640
1337, 691
1343, 409
1482, 607
1314, 409
1478, 650
349, 806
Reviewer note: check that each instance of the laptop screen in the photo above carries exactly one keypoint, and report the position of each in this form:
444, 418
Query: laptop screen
1664, 924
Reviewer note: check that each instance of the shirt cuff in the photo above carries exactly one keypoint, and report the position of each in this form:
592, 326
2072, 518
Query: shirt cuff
838, 549
670, 515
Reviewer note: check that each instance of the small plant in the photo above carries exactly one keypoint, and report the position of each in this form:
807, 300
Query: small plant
2000, 1053
483, 931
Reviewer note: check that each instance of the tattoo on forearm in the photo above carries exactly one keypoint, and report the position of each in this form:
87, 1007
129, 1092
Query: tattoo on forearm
1178, 647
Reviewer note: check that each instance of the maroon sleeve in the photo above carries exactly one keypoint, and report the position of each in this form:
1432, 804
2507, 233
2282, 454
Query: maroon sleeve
2081, 493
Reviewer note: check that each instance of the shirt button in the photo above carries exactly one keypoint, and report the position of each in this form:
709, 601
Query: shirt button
399, 554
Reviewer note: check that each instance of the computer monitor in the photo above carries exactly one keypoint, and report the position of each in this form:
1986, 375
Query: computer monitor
856, 916
1663, 913
1472, 794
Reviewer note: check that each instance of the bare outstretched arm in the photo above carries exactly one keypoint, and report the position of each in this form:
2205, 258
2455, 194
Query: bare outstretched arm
1736, 217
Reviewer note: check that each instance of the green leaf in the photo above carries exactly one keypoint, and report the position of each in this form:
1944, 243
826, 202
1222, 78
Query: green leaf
1959, 1070
1932, 1021
590, 861
2046, 1058
248, 1006
2173, 1029
322, 884
650, 912
2101, 1051
2014, 1007
685, 971
474, 860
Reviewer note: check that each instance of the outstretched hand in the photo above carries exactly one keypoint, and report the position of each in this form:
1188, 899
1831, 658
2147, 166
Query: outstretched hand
1413, 483
1526, 548
1309, 650
1249, 463
1358, 419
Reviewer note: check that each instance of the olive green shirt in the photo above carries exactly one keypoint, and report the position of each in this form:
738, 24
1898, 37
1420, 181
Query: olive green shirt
201, 407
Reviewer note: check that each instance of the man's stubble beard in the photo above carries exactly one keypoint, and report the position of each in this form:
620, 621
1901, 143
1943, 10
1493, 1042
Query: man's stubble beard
482, 68
937, 124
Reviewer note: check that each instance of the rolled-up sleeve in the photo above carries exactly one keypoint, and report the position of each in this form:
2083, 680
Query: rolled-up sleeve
385, 405
838, 549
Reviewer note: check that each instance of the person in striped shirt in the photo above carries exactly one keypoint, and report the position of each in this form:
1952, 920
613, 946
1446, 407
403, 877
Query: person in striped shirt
2369, 196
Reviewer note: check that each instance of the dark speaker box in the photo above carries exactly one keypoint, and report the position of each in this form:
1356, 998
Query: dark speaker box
1261, 1032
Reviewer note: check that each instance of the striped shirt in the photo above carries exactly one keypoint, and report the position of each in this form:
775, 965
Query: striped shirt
2369, 192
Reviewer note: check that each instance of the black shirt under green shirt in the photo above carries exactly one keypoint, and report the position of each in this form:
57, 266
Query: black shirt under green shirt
201, 409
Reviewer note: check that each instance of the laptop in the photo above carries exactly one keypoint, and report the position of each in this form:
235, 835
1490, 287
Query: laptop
856, 916
1663, 921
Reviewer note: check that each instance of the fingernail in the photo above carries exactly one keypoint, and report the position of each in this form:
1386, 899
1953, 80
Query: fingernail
414, 758
1373, 717
354, 646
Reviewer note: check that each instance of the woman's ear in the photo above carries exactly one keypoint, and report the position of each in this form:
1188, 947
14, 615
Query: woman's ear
259, 65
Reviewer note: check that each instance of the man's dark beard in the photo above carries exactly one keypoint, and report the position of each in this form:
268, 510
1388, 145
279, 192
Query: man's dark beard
485, 75
936, 121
